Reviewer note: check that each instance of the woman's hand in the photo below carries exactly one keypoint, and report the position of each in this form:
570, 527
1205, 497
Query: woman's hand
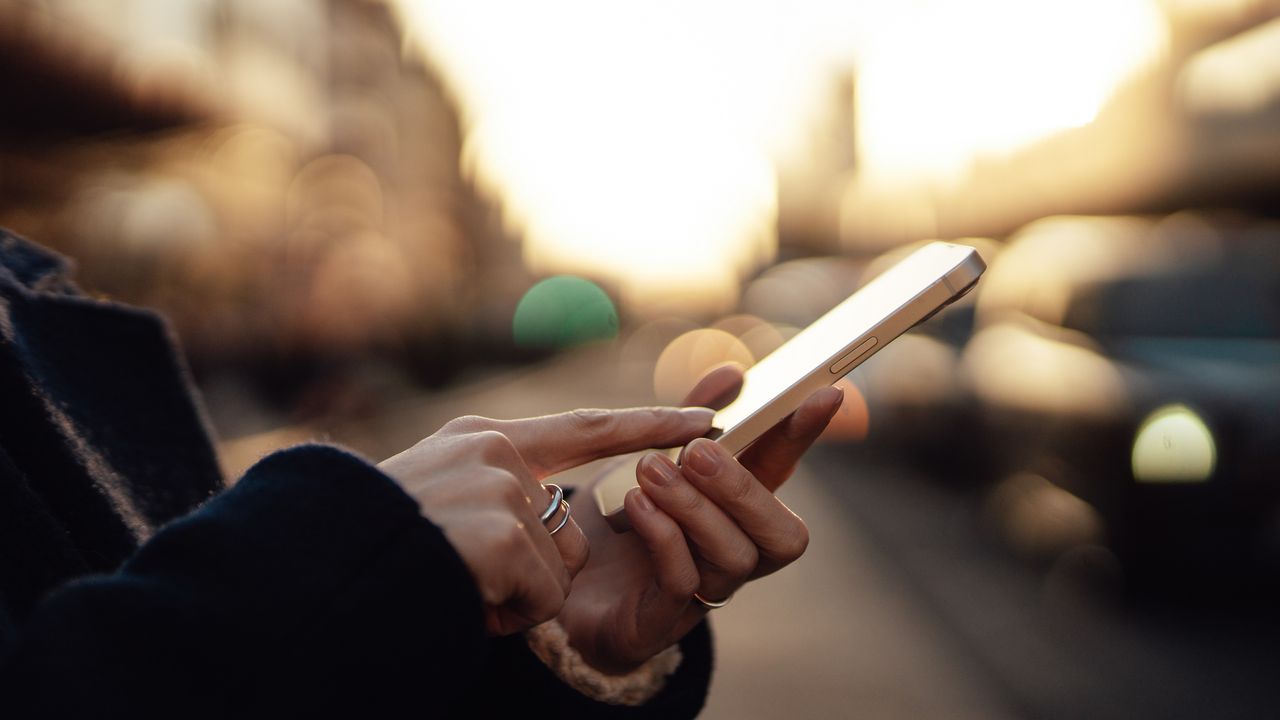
480, 481
706, 527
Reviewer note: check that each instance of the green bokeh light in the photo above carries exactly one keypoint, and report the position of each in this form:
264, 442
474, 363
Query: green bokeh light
563, 311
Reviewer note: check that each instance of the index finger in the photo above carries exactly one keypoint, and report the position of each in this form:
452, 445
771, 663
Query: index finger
719, 387
554, 443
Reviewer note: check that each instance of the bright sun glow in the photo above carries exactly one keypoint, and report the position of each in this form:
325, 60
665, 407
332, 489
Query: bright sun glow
637, 142
945, 83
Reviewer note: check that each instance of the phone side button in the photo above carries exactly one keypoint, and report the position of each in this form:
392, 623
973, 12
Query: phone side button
839, 366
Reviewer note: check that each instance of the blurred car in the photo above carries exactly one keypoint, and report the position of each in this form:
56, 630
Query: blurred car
1135, 364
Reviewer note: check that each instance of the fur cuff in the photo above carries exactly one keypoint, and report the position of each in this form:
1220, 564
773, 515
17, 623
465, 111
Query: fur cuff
550, 643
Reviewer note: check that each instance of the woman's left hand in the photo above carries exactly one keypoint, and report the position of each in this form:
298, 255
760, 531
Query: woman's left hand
707, 528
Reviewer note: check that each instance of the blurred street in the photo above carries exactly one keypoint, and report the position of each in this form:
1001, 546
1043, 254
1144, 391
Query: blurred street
842, 632
1035, 643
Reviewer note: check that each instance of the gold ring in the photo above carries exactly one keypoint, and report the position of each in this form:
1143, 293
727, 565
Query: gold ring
711, 604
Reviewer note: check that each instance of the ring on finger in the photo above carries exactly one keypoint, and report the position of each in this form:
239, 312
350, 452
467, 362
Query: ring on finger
711, 604
557, 503
557, 497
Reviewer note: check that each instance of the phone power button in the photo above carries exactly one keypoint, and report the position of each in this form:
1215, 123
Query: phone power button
839, 366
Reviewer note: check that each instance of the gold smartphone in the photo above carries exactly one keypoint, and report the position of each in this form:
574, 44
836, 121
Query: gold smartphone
905, 295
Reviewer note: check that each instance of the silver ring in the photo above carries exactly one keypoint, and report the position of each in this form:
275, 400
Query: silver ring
711, 604
557, 497
557, 503
564, 520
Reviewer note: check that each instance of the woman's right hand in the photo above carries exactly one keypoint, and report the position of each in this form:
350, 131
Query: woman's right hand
480, 481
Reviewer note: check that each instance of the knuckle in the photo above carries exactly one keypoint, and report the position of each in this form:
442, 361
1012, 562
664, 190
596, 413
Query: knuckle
467, 424
509, 488
494, 447
691, 502
669, 540
739, 487
685, 583
510, 540
793, 543
548, 608
659, 417
742, 563
502, 488
593, 421
501, 536
515, 545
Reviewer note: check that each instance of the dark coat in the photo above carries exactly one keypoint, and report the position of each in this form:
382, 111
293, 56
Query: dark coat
132, 584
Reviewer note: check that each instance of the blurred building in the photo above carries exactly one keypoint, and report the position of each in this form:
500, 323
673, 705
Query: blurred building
952, 135
280, 179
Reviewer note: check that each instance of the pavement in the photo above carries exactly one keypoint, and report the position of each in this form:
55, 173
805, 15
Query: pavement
837, 634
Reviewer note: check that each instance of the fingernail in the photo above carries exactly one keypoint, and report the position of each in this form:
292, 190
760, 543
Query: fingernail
832, 393
839, 403
659, 470
699, 415
644, 502
703, 458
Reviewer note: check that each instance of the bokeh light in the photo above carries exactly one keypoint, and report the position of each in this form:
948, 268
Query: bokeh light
336, 181
764, 339
1050, 260
638, 354
563, 311
1039, 519
739, 325
687, 358
1013, 366
852, 419
914, 370
1236, 77
797, 292
1174, 445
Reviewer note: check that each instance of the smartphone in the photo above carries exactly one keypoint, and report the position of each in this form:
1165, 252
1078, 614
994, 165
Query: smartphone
902, 297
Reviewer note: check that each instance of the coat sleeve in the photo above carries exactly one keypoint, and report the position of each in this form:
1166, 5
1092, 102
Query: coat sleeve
312, 587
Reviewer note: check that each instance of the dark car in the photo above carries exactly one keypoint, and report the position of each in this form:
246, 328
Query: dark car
1135, 364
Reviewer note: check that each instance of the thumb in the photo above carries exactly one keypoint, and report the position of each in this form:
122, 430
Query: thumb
554, 443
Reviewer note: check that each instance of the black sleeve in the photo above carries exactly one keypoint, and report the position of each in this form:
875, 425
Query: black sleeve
313, 587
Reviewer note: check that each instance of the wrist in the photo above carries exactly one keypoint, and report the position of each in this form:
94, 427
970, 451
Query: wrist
607, 663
